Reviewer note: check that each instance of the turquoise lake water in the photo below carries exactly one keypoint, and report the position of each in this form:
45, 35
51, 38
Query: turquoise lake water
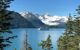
34, 37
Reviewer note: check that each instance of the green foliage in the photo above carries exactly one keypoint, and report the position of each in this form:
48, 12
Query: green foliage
47, 44
70, 40
15, 49
5, 24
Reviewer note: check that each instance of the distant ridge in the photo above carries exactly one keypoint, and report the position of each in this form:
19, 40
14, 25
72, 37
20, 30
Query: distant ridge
19, 22
30, 20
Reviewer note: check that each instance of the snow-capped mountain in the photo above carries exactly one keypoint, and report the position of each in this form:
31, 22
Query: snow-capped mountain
33, 18
53, 20
45, 20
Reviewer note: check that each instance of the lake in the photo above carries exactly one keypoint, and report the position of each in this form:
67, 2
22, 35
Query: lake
34, 37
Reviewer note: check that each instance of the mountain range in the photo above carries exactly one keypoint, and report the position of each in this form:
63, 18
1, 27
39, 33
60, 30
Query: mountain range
31, 20
54, 21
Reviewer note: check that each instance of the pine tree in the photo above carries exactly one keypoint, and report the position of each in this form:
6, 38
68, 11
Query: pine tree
15, 49
5, 24
42, 44
77, 28
26, 46
77, 21
47, 44
65, 40
71, 38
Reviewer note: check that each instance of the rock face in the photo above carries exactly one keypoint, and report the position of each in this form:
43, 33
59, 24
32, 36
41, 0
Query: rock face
20, 22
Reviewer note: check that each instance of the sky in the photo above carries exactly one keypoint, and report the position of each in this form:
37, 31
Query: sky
52, 7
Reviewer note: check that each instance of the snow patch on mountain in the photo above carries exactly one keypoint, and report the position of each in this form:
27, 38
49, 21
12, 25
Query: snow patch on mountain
53, 20
45, 20
33, 18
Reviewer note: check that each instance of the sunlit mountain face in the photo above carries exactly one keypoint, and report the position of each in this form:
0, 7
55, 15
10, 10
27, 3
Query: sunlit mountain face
58, 21
53, 20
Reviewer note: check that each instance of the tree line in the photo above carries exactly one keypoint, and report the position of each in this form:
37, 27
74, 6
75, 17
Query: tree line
70, 40
5, 24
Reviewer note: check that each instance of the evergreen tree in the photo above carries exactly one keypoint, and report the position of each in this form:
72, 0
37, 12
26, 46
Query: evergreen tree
47, 44
77, 22
5, 24
26, 44
71, 38
77, 28
42, 44
65, 40
15, 49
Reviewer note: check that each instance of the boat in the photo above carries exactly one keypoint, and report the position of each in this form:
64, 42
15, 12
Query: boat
43, 28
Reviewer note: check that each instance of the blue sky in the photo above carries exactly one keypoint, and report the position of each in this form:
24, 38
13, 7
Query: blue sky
53, 7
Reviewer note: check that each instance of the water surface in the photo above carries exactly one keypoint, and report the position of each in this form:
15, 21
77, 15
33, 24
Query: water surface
34, 37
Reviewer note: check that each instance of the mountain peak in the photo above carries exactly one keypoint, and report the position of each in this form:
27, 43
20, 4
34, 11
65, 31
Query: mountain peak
23, 13
45, 19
